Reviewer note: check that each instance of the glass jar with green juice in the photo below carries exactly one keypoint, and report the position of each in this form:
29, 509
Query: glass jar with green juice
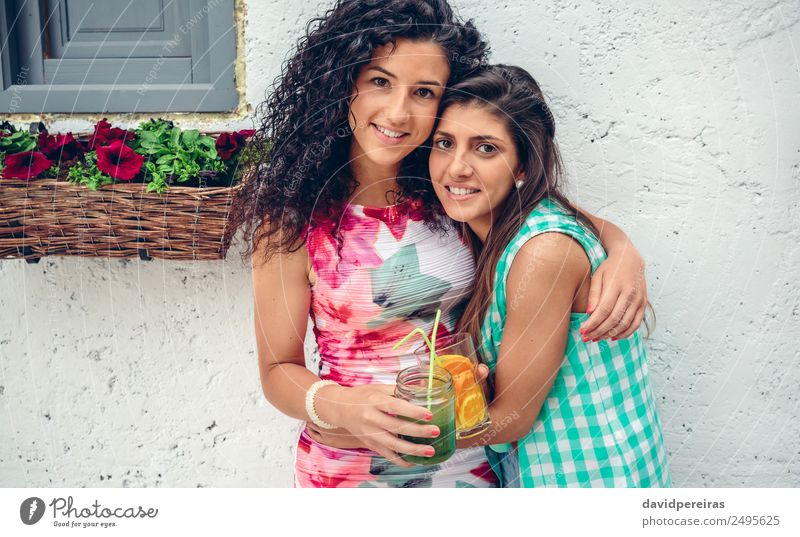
412, 386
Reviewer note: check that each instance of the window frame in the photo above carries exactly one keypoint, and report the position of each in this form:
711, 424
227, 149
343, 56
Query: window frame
219, 59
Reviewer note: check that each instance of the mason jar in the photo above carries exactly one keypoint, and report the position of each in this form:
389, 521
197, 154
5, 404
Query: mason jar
412, 386
457, 355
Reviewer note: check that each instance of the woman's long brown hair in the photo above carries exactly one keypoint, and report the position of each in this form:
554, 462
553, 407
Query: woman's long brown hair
513, 96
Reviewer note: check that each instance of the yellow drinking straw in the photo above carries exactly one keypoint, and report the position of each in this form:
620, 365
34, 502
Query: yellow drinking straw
415, 331
431, 344
433, 358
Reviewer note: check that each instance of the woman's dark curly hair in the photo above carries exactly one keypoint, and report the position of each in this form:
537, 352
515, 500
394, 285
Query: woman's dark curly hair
296, 163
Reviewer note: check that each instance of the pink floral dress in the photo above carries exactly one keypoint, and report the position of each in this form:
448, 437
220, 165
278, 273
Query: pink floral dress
389, 275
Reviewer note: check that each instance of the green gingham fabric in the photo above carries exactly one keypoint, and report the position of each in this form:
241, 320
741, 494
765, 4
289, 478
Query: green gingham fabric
598, 426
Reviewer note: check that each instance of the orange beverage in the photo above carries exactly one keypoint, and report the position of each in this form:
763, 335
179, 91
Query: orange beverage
457, 355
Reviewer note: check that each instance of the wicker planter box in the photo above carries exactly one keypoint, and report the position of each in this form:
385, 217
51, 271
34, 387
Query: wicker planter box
44, 217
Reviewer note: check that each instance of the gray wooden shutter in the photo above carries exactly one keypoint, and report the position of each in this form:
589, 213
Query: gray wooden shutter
118, 55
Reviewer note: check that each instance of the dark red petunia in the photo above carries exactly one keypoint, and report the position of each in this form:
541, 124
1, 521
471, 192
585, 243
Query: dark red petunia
25, 165
59, 146
119, 161
228, 143
104, 134
3, 134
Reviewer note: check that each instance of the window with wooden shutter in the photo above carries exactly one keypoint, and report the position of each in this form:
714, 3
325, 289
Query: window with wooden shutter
117, 56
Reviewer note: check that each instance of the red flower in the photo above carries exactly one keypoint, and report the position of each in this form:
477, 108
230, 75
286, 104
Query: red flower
228, 143
104, 134
119, 161
60, 146
25, 165
3, 134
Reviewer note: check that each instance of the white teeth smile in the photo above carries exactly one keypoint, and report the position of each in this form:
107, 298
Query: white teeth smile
390, 134
462, 191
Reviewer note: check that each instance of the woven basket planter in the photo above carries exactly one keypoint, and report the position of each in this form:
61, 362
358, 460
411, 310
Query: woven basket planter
43, 217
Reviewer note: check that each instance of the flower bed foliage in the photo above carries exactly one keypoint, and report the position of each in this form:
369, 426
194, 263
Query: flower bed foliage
157, 153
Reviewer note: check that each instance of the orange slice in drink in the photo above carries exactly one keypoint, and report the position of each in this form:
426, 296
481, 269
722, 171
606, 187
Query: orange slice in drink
470, 404
461, 383
460, 368
470, 409
455, 363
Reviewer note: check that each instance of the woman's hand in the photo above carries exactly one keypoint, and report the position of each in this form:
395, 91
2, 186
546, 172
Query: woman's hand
617, 296
482, 378
343, 439
337, 438
370, 413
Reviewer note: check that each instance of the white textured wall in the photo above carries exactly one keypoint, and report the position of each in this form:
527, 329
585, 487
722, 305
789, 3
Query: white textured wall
679, 122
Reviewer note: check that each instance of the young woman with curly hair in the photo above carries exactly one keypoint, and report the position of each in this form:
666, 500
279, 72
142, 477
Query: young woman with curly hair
343, 224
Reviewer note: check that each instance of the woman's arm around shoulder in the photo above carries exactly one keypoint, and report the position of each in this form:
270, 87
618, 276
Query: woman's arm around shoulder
618, 293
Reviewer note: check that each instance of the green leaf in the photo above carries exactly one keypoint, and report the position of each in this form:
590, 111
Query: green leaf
18, 142
88, 175
174, 138
75, 173
207, 142
210, 153
217, 165
190, 137
157, 185
147, 137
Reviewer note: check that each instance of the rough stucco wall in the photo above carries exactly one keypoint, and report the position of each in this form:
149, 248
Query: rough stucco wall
678, 122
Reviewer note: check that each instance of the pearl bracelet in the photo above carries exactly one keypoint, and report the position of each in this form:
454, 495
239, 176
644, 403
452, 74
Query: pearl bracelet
312, 391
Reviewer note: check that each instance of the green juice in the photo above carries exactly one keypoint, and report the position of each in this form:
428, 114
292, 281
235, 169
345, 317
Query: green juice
444, 415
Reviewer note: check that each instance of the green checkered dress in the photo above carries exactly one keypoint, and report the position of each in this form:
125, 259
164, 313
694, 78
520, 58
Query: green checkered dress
598, 426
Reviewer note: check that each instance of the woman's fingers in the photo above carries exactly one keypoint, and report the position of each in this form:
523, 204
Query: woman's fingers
482, 372
391, 456
398, 445
386, 389
407, 428
623, 325
398, 407
637, 322
390, 447
601, 313
614, 315
595, 289
387, 445
400, 462
385, 401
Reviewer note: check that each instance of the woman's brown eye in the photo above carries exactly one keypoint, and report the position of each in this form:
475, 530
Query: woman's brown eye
489, 148
443, 144
380, 82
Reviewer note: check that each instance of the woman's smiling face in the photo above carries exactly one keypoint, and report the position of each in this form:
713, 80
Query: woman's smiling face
395, 100
473, 164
